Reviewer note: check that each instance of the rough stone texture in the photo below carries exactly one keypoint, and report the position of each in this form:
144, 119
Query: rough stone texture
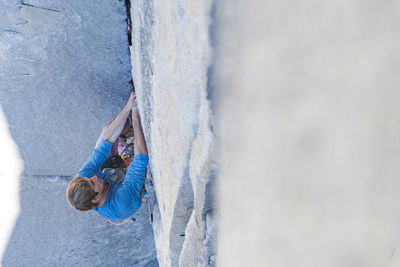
170, 59
64, 72
309, 117
48, 232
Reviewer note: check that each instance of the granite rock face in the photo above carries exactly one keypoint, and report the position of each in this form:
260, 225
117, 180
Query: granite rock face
64, 72
171, 55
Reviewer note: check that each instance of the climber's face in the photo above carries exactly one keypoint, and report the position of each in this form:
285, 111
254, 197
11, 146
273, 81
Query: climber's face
97, 184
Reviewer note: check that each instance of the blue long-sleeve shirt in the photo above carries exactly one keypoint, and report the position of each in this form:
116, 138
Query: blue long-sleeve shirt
123, 199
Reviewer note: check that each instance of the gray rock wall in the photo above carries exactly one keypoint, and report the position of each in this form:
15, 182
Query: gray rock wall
64, 72
48, 232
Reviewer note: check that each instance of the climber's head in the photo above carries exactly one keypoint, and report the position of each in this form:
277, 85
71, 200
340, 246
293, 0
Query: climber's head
85, 194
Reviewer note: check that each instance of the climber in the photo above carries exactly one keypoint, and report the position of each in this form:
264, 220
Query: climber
92, 189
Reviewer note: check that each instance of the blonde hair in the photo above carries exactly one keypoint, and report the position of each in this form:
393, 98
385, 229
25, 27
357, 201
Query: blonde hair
80, 194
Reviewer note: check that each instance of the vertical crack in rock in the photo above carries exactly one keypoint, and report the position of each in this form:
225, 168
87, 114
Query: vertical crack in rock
209, 213
210, 69
183, 211
210, 219
199, 234
199, 246
184, 206
128, 21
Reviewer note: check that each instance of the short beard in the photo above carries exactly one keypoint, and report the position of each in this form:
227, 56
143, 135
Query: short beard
105, 188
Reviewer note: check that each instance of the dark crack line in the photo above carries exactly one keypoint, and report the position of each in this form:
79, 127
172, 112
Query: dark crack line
45, 8
140, 18
18, 75
48, 177
22, 23
128, 21
10, 31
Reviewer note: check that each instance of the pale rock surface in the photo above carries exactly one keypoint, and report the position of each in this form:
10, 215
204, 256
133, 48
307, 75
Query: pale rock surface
170, 60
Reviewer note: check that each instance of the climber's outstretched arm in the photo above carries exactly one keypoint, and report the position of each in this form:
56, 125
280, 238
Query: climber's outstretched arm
139, 146
113, 131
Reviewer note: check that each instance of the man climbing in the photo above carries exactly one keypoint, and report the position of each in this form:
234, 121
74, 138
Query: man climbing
92, 189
